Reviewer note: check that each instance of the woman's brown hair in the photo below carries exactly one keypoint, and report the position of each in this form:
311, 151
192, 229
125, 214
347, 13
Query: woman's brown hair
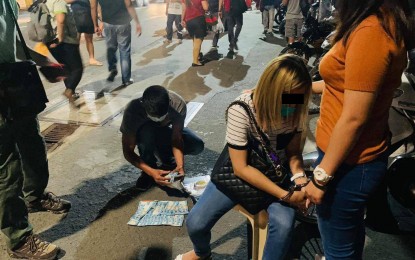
350, 13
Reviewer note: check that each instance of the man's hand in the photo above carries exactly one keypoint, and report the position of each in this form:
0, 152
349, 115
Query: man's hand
138, 29
158, 176
314, 194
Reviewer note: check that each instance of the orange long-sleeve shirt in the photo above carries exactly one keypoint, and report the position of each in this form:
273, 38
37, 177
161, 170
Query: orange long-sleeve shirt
371, 61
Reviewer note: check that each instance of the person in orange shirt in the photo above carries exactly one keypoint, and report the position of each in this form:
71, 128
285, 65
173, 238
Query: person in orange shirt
360, 74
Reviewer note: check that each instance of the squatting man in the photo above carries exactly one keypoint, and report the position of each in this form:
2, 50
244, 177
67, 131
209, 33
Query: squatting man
155, 124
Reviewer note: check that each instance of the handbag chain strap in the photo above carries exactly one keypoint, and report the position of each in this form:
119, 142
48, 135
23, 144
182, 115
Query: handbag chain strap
25, 48
269, 151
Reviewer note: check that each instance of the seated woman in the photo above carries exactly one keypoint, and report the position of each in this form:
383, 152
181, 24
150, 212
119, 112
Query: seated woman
285, 127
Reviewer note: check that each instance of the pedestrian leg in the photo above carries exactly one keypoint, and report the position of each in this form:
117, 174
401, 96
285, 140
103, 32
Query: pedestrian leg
13, 212
124, 43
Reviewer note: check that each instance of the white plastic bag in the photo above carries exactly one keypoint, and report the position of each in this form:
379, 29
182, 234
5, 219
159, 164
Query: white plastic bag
219, 26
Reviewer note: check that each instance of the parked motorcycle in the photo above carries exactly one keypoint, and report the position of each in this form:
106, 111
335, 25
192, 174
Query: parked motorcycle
398, 194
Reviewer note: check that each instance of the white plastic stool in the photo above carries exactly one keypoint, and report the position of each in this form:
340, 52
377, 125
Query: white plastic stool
259, 223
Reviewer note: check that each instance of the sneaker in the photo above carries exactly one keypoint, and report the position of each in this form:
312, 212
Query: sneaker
112, 75
166, 41
125, 84
49, 202
144, 182
35, 248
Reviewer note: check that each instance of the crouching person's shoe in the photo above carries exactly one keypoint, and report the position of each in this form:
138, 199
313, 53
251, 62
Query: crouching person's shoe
34, 247
49, 202
144, 182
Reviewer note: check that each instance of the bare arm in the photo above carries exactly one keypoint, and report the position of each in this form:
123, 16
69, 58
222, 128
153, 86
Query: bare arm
133, 14
177, 144
94, 10
205, 5
318, 86
295, 158
60, 23
285, 2
356, 110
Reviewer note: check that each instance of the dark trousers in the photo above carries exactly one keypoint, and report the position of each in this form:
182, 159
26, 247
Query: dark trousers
235, 23
69, 55
176, 19
23, 167
153, 140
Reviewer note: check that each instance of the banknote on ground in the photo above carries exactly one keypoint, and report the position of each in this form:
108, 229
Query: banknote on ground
159, 213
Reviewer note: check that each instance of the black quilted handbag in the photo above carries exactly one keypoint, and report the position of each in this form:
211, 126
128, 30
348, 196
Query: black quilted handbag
262, 157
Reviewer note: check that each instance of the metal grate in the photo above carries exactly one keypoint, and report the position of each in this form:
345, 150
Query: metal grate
55, 133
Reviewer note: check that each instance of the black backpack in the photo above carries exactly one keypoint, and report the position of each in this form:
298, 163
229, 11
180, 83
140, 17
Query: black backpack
238, 7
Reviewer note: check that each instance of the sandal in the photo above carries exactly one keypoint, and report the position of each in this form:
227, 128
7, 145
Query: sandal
96, 63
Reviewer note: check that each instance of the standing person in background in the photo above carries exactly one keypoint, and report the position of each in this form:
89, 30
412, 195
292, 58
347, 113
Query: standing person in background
358, 86
214, 9
234, 10
117, 16
294, 20
268, 14
174, 14
84, 24
65, 48
23, 159
193, 18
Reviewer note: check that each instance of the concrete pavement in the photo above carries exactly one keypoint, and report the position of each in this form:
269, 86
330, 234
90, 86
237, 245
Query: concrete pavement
88, 168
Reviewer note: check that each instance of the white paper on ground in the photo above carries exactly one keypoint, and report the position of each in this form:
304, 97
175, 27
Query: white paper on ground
189, 184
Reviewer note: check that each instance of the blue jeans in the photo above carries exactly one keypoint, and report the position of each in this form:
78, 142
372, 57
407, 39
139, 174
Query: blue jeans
119, 37
341, 214
152, 139
213, 204
176, 18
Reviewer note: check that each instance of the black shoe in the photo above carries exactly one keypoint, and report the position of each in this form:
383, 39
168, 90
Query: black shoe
197, 65
144, 182
49, 202
112, 75
200, 56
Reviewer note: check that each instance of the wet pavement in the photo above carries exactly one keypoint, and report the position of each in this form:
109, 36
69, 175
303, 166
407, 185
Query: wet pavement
87, 166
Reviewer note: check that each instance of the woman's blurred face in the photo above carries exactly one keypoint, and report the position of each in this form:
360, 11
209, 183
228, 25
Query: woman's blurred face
291, 101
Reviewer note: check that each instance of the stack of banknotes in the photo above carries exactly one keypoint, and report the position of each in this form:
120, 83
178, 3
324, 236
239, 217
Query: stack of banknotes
159, 213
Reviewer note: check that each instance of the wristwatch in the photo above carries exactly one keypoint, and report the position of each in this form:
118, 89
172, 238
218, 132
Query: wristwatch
321, 176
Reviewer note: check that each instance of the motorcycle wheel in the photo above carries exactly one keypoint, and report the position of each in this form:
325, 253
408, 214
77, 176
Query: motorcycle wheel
401, 182
281, 28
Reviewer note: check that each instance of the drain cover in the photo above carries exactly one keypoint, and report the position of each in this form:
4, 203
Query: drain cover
55, 133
